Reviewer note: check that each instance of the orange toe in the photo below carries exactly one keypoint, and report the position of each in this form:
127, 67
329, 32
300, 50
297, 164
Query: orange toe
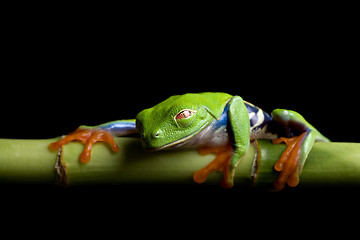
288, 163
221, 162
89, 137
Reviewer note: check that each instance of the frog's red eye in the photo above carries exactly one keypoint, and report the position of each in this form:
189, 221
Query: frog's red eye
183, 114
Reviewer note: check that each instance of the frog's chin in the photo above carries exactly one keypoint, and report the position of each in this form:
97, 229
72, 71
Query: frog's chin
181, 143
189, 142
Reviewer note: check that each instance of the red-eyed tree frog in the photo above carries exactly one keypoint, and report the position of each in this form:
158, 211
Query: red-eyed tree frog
213, 123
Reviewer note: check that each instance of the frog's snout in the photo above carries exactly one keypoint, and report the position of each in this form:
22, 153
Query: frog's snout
150, 139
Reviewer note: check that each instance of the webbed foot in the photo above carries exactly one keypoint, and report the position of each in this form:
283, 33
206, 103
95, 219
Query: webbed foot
288, 164
221, 163
87, 137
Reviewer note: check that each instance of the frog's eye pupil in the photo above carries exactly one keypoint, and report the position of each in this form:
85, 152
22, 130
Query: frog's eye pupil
184, 114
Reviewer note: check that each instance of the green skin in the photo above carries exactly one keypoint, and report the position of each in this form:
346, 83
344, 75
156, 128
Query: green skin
161, 128
159, 120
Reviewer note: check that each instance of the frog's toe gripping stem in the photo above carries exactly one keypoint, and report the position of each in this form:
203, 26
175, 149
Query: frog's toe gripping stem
289, 163
88, 137
220, 163
302, 137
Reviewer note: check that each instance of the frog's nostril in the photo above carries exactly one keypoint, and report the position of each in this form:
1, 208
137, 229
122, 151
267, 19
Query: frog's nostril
157, 133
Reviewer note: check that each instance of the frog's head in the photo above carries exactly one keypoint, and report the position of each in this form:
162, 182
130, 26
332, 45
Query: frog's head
173, 121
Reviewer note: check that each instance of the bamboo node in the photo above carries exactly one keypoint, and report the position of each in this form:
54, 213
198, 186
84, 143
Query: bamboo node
61, 169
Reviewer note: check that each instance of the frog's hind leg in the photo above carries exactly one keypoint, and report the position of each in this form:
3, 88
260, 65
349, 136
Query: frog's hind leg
300, 139
292, 159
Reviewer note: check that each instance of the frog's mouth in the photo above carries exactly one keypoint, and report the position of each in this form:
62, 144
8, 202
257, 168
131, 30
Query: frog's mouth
173, 145
187, 142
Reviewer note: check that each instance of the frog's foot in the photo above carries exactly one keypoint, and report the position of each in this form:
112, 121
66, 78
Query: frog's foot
87, 137
288, 163
221, 162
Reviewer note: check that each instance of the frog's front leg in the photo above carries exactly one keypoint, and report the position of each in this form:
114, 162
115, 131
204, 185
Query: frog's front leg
101, 133
221, 162
300, 139
228, 156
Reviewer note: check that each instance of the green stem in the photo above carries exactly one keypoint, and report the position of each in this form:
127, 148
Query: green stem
328, 165
26, 161
30, 161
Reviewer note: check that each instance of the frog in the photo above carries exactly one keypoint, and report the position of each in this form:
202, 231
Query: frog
213, 123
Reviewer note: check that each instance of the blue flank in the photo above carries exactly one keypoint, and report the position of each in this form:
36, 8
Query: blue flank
254, 117
223, 120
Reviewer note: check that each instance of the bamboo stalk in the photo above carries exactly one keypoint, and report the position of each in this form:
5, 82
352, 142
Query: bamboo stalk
26, 161
30, 161
331, 165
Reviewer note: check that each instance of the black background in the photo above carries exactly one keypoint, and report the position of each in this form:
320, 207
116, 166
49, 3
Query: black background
61, 71
64, 67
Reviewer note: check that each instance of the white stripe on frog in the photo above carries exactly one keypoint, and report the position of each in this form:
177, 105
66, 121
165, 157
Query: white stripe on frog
260, 120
